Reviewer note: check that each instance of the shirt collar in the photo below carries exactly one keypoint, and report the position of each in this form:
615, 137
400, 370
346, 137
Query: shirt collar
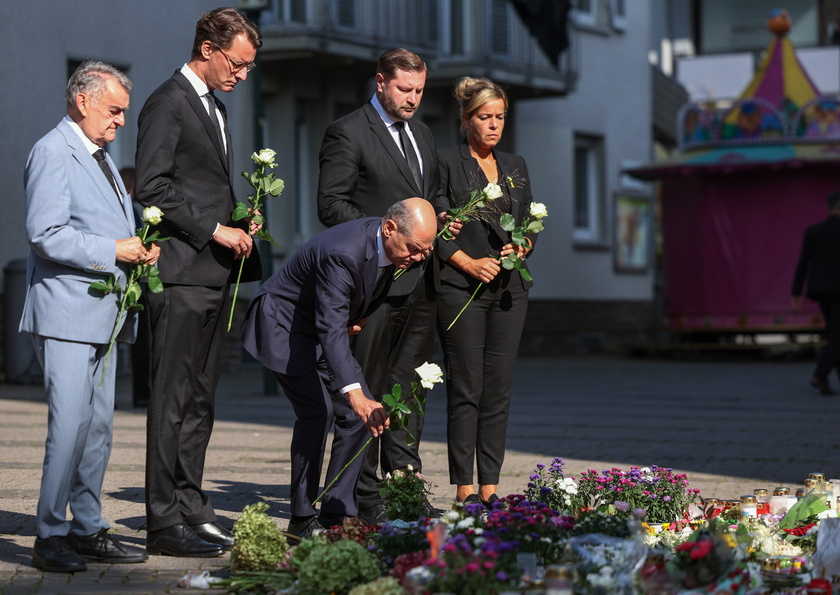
380, 249
199, 85
91, 146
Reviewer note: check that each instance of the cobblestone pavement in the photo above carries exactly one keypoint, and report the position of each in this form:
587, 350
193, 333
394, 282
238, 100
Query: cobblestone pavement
733, 424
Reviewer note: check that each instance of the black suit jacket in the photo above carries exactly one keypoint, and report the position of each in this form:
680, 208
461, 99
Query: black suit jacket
183, 170
819, 259
460, 174
302, 312
363, 172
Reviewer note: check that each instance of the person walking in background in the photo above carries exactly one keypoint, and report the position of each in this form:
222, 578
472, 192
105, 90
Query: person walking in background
819, 261
185, 166
371, 158
298, 326
480, 349
80, 227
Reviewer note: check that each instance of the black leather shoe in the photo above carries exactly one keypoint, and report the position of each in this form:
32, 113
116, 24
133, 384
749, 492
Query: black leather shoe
214, 533
374, 515
55, 554
823, 387
489, 502
179, 540
102, 547
302, 528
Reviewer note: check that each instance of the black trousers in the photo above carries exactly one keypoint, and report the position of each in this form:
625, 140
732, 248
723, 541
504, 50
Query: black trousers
829, 357
319, 410
479, 356
188, 326
398, 337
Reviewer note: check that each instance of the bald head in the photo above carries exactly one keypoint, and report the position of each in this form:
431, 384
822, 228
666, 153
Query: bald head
408, 231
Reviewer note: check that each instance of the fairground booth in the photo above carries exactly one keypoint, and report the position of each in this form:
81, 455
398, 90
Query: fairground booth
748, 179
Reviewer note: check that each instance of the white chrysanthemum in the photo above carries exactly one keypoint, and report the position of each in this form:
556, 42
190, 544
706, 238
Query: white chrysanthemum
465, 523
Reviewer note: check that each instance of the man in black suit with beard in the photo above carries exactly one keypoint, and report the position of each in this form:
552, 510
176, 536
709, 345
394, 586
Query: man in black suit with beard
370, 159
185, 166
819, 260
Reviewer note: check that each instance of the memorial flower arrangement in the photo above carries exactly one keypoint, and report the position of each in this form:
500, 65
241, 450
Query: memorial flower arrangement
128, 296
264, 185
405, 492
473, 549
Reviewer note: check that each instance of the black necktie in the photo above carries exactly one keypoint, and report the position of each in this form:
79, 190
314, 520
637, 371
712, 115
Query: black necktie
211, 103
410, 155
384, 281
99, 155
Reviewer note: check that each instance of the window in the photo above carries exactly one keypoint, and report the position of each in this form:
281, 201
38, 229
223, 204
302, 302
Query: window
500, 28
585, 12
293, 11
588, 168
618, 14
346, 13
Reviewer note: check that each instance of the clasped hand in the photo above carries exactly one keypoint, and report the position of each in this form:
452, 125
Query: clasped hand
133, 251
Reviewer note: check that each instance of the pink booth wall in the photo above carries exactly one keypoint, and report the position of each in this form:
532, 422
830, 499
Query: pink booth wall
731, 243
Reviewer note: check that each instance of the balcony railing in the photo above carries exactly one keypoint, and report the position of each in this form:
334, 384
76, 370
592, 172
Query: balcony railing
483, 34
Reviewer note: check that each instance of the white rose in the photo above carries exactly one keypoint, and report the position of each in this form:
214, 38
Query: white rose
430, 374
492, 191
152, 215
538, 210
264, 157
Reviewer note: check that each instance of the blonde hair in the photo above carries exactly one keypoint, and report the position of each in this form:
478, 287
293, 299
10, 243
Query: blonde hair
472, 93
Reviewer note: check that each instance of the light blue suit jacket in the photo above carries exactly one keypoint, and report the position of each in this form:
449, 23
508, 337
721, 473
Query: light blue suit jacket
73, 218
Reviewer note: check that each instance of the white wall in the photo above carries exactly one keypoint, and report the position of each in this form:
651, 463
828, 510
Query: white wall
612, 100
151, 39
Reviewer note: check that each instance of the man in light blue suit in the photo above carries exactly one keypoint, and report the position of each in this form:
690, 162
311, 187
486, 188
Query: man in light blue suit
80, 227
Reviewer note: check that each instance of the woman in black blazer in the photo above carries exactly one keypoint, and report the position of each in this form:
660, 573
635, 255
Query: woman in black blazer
480, 349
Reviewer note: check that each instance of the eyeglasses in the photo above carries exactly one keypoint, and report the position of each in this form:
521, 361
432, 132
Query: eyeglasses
236, 65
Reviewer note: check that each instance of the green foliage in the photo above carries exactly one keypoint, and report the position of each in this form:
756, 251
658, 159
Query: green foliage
334, 567
260, 544
385, 585
405, 494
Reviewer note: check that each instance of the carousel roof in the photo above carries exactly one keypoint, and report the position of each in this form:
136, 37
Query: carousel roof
779, 120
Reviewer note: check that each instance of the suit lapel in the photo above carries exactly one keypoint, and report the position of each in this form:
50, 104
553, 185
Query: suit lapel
379, 129
91, 168
199, 106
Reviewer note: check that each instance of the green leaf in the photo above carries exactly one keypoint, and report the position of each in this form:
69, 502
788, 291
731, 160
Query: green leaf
507, 222
389, 401
447, 235
507, 264
517, 237
276, 187
240, 212
397, 392
155, 284
105, 287
535, 227
263, 235
403, 408
258, 219
525, 274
